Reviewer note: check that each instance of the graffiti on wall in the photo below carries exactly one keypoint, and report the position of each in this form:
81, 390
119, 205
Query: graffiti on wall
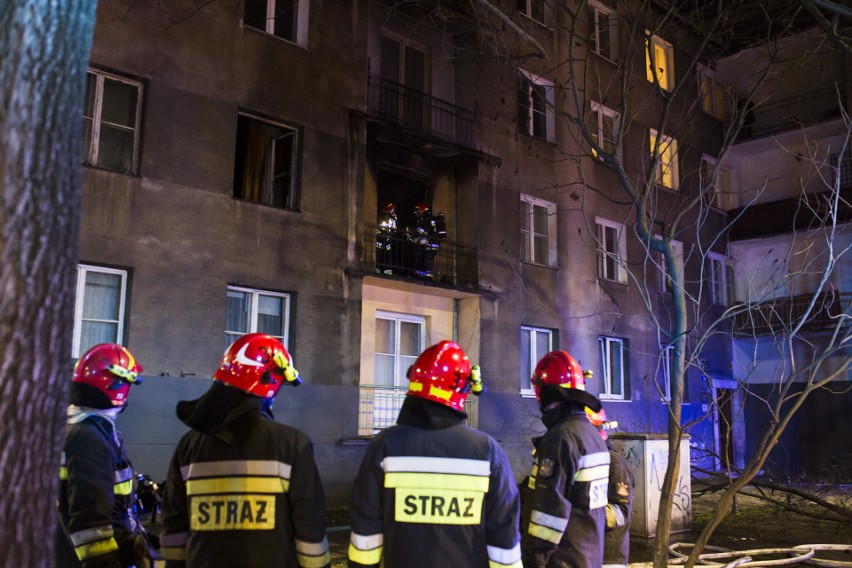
658, 456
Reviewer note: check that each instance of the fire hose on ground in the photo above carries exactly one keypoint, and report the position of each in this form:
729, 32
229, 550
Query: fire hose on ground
718, 557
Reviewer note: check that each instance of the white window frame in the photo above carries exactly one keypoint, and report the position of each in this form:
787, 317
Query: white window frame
91, 159
526, 388
79, 301
605, 346
720, 288
528, 7
722, 195
715, 98
665, 74
667, 170
619, 256
666, 362
528, 236
302, 8
603, 114
599, 9
664, 284
400, 372
528, 80
267, 191
254, 295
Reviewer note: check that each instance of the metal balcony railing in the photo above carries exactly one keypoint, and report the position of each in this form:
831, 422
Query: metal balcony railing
421, 112
795, 112
788, 215
378, 408
779, 315
410, 255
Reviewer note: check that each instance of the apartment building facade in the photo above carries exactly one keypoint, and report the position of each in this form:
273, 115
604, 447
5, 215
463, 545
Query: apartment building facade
240, 163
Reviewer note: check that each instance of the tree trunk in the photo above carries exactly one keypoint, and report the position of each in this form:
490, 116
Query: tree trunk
45, 48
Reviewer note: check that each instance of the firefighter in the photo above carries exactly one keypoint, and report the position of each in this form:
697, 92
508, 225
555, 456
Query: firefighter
98, 528
431, 491
619, 507
565, 508
243, 490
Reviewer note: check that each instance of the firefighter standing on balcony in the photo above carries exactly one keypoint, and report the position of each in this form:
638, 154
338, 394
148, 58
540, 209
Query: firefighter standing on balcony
95, 510
432, 491
387, 241
243, 490
565, 508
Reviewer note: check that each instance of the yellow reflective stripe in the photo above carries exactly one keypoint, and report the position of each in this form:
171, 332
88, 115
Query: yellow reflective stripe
90, 550
437, 481
63, 473
440, 393
313, 561
592, 473
493, 564
125, 488
415, 387
237, 485
545, 533
368, 557
175, 553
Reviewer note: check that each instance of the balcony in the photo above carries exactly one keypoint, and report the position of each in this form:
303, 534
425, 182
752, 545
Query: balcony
408, 255
779, 315
792, 113
788, 215
421, 113
378, 408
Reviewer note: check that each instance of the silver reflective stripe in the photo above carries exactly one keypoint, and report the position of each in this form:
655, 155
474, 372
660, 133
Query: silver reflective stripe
436, 465
122, 475
62, 459
366, 542
594, 460
312, 548
614, 566
236, 468
91, 535
174, 539
504, 555
549, 521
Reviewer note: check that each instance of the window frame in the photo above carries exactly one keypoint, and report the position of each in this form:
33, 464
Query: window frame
619, 256
715, 98
528, 82
266, 194
597, 9
254, 296
665, 154
300, 21
721, 290
722, 196
535, 10
526, 389
601, 113
79, 302
91, 158
665, 76
528, 248
605, 344
664, 285
666, 362
400, 378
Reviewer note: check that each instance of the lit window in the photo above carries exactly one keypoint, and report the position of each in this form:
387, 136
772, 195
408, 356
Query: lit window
666, 370
400, 339
536, 342
98, 307
287, 19
614, 363
533, 9
612, 250
535, 106
719, 192
604, 36
538, 231
661, 67
256, 311
721, 279
715, 99
265, 160
111, 115
664, 153
604, 124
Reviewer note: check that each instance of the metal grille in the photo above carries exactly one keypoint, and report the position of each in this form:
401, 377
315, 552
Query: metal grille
378, 408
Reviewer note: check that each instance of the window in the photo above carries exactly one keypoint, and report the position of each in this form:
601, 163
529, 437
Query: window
535, 106
403, 71
604, 125
666, 370
98, 307
612, 250
287, 19
721, 279
400, 338
533, 9
666, 284
664, 154
536, 342
715, 99
264, 171
661, 67
538, 231
614, 364
604, 36
111, 115
719, 192
257, 311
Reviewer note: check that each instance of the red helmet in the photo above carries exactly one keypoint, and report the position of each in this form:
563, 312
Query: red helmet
390, 207
257, 364
421, 208
443, 374
599, 421
111, 369
558, 368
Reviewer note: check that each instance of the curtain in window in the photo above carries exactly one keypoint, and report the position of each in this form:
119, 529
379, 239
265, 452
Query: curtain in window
255, 161
101, 302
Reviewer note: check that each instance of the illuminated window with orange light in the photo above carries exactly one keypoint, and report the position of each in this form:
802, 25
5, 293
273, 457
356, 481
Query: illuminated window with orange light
664, 153
659, 62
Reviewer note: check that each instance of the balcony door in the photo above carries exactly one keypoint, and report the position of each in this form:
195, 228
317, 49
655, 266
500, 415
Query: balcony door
403, 71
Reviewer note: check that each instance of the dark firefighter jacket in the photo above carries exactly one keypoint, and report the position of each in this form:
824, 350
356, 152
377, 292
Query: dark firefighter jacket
565, 507
618, 512
241, 490
95, 498
433, 492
